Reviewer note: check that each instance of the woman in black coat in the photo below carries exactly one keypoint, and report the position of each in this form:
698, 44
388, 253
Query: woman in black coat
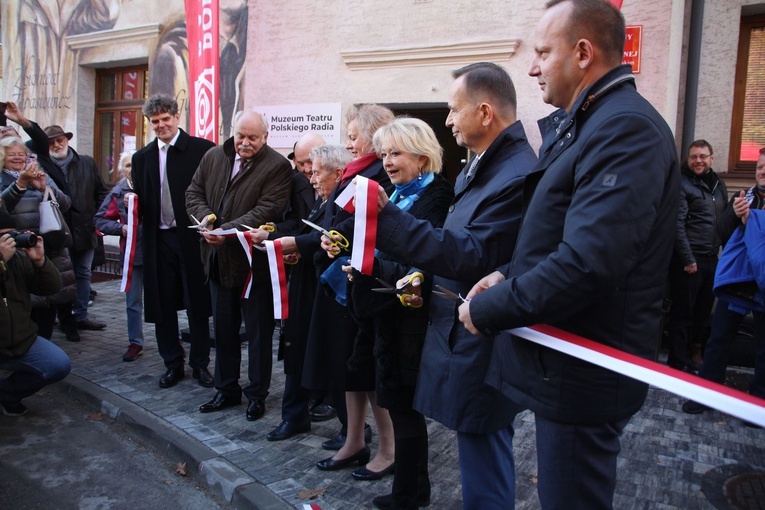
412, 158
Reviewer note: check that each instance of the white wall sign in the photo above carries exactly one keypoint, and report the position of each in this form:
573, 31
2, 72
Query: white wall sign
288, 122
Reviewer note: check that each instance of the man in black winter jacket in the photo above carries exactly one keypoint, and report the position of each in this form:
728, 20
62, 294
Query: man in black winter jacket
705, 220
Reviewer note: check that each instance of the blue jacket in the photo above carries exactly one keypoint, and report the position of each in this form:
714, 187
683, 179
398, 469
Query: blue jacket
740, 276
479, 234
592, 254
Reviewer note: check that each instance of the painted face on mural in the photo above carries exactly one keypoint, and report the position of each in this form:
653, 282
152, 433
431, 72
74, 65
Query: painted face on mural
165, 125
59, 147
250, 135
357, 142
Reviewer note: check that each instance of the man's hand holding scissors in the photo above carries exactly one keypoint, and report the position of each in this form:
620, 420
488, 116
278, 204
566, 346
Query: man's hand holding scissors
483, 284
332, 242
411, 283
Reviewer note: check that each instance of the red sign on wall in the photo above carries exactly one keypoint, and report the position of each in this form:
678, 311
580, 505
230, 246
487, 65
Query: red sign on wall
632, 47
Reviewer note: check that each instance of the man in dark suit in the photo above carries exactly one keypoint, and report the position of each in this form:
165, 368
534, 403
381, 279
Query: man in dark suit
173, 276
242, 182
479, 231
327, 164
302, 197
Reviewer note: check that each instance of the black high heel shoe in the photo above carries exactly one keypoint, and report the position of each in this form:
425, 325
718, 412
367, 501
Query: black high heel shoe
361, 457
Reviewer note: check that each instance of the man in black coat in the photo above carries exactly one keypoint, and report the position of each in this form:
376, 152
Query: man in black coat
173, 272
479, 233
705, 221
592, 253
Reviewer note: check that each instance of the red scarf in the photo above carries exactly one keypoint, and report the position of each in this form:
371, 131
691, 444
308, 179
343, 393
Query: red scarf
355, 167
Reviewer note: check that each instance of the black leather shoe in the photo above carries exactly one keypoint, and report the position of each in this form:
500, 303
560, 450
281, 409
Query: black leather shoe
385, 502
338, 441
171, 378
322, 412
366, 475
255, 410
219, 402
287, 429
692, 407
361, 457
90, 325
204, 377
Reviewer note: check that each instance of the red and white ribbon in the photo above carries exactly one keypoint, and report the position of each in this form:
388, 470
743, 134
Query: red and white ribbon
131, 243
365, 221
245, 241
278, 278
717, 396
311, 506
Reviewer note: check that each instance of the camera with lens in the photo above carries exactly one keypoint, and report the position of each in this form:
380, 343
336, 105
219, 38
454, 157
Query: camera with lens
23, 239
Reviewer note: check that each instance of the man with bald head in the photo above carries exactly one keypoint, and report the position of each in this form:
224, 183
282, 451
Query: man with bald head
595, 242
242, 182
303, 197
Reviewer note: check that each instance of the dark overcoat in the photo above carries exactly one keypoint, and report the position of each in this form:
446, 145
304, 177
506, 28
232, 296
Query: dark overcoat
399, 332
332, 329
182, 161
478, 235
592, 257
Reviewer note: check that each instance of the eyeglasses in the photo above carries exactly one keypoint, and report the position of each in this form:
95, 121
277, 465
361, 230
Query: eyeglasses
702, 157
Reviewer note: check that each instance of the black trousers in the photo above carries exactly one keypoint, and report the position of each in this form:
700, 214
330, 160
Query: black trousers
174, 280
229, 308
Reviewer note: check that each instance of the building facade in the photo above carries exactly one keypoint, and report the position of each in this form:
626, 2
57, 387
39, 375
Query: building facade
88, 64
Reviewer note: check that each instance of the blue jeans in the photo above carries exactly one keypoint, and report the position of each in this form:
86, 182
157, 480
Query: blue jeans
43, 364
487, 468
134, 307
577, 464
725, 325
82, 260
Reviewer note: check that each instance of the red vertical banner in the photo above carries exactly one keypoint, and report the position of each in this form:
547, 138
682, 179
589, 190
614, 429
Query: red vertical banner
617, 3
202, 34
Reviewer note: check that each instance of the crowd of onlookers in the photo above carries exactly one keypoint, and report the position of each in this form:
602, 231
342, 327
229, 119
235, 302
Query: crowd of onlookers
579, 236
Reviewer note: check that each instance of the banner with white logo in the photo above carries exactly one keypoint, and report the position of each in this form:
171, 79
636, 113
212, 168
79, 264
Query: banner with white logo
202, 33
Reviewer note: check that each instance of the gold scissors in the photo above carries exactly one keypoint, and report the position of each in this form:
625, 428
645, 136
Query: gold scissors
268, 228
210, 218
404, 293
448, 294
341, 243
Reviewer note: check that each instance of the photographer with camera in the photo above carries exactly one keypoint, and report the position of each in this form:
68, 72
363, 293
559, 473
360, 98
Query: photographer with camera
33, 362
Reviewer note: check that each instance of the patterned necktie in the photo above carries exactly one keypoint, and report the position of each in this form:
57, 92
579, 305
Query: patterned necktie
471, 170
167, 203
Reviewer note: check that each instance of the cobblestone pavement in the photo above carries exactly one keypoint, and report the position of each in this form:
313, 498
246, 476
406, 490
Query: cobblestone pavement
665, 453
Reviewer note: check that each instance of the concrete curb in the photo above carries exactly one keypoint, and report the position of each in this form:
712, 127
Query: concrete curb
220, 476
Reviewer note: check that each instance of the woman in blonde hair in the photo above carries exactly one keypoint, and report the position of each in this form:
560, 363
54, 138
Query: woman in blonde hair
412, 158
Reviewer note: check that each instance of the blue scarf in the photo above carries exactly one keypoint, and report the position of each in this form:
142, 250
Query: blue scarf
407, 194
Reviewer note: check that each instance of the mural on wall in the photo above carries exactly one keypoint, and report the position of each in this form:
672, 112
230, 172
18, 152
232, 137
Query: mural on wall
169, 65
38, 64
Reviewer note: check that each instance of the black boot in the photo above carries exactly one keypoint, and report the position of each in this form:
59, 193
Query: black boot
411, 482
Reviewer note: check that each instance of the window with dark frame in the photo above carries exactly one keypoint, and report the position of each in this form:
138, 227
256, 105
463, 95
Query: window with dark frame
748, 120
119, 124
